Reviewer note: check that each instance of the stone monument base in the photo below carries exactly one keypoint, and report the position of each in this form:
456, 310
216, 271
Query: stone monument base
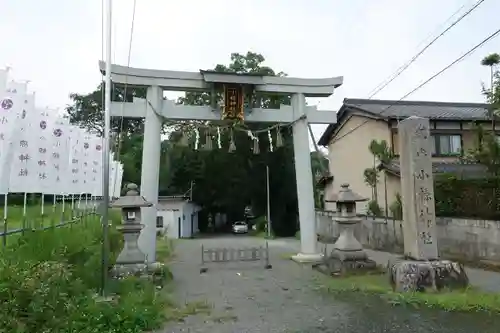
341, 263
407, 275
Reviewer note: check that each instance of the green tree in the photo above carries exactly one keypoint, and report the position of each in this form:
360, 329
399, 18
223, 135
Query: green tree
383, 154
492, 93
319, 167
86, 110
487, 146
486, 151
227, 182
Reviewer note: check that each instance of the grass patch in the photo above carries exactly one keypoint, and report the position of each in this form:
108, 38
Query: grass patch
487, 265
179, 313
287, 256
224, 318
164, 249
33, 219
48, 283
469, 300
262, 234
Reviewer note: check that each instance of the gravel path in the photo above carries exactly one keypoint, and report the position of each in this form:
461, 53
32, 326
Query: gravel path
247, 298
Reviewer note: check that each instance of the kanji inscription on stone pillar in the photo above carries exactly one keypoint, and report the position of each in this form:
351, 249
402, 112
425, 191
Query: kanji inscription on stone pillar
417, 186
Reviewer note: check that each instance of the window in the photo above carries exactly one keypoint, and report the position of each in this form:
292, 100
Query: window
446, 144
159, 221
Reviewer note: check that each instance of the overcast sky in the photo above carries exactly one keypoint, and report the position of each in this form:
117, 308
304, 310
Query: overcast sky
56, 44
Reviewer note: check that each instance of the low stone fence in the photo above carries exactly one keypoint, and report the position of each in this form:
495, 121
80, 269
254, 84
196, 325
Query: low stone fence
465, 238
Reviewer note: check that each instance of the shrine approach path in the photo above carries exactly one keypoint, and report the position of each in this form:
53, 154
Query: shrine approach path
244, 297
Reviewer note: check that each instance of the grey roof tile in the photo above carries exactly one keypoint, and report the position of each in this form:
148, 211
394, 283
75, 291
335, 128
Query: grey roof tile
388, 109
431, 110
462, 169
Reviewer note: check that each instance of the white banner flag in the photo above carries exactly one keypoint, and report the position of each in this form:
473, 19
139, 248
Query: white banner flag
23, 171
20, 88
10, 107
44, 127
4, 74
97, 166
76, 160
87, 163
59, 158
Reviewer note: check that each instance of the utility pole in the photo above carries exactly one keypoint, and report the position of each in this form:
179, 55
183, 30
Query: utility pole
191, 191
106, 151
268, 204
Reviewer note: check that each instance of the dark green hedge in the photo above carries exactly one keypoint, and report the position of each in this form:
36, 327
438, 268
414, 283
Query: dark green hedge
473, 198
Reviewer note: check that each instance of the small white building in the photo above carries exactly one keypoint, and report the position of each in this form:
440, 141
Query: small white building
177, 217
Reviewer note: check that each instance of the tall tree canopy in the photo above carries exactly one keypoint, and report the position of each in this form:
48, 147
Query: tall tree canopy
228, 182
487, 148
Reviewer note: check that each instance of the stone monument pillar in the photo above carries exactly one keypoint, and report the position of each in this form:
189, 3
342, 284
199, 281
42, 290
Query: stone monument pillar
417, 189
421, 267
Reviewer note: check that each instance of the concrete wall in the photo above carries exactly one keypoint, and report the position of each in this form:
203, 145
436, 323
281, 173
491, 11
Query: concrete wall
465, 238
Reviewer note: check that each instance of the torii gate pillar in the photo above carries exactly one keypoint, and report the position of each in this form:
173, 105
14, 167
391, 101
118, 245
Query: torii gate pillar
305, 191
150, 171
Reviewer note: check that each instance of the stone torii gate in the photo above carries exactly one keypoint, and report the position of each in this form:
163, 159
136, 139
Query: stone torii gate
155, 107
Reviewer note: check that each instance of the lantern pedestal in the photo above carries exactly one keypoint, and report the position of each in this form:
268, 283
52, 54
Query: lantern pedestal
131, 259
348, 255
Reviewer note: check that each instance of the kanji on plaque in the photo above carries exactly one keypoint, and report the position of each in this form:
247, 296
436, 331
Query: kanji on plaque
425, 194
421, 175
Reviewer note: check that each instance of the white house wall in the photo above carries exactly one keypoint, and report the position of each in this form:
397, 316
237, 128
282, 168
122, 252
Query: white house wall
349, 155
174, 210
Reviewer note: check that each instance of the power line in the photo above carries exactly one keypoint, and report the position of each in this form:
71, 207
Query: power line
405, 66
129, 55
487, 39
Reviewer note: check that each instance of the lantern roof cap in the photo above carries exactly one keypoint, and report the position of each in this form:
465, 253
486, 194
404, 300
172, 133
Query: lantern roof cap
346, 195
132, 199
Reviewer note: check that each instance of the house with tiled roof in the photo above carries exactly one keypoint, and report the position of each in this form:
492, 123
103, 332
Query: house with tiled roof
359, 121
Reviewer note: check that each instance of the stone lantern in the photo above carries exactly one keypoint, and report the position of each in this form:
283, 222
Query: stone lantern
348, 253
131, 259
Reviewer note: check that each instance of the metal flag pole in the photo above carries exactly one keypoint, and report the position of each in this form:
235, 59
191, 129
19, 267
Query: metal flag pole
105, 151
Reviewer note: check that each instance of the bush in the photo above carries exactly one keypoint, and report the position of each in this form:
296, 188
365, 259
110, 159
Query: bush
396, 208
261, 224
374, 208
476, 198
48, 282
